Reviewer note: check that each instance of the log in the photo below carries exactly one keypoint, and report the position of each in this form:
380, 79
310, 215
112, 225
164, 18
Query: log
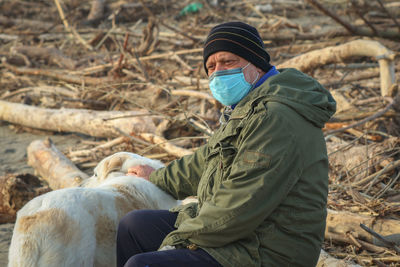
342, 222
89, 122
56, 169
336, 54
16, 191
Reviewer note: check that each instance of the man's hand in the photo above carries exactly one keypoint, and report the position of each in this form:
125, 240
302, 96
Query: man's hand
143, 171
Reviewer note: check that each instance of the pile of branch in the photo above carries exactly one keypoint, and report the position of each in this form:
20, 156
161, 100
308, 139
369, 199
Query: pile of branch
129, 77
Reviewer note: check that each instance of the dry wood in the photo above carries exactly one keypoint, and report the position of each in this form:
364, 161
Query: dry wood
326, 260
344, 238
26, 23
56, 169
329, 13
342, 222
368, 74
323, 35
317, 58
193, 93
111, 74
89, 122
39, 91
62, 15
107, 145
166, 145
146, 58
390, 167
362, 31
15, 192
393, 102
60, 75
96, 10
50, 54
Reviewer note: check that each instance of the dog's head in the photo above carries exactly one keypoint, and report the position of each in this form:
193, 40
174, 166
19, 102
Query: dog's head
118, 165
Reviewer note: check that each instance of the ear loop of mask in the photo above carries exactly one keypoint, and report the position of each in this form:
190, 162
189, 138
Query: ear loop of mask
258, 74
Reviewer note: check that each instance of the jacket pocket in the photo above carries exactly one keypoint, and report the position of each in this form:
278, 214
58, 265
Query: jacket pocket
185, 212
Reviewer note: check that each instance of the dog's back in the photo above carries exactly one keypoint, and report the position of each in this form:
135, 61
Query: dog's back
77, 226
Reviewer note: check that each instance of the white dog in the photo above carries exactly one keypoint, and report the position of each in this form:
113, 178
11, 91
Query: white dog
77, 226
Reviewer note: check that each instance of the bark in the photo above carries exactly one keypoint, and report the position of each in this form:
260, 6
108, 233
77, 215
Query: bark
336, 54
56, 169
15, 192
89, 122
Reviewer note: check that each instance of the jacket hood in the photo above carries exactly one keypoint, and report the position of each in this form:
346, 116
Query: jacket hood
300, 92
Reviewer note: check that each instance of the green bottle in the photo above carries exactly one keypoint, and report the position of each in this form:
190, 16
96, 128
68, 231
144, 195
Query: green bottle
190, 9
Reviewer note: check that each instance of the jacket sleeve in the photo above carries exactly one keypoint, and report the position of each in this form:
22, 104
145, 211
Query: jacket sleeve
266, 167
181, 177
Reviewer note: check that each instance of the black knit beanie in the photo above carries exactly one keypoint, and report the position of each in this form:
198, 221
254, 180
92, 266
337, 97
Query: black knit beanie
240, 39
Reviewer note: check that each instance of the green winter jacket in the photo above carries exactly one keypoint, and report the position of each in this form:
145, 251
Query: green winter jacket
261, 180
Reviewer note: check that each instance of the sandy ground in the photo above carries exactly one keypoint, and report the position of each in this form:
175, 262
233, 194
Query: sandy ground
13, 159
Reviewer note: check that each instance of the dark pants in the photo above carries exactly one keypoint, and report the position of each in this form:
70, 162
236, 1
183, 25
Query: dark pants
141, 232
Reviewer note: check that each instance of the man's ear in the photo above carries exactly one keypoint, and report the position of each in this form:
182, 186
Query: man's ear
260, 71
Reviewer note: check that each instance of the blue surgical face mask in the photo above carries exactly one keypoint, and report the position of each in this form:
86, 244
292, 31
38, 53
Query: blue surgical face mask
230, 86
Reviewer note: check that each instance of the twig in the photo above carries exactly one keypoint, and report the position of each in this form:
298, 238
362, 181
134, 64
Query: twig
62, 16
374, 116
146, 76
346, 239
387, 187
390, 14
316, 4
192, 93
194, 39
87, 152
361, 15
117, 69
381, 238
70, 29
388, 168
166, 145
58, 75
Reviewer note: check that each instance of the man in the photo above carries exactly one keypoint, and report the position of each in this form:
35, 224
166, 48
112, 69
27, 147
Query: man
261, 180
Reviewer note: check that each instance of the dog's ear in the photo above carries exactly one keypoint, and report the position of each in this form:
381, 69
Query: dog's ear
114, 163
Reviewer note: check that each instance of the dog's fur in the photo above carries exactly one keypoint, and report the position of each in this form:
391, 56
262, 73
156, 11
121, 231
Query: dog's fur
77, 226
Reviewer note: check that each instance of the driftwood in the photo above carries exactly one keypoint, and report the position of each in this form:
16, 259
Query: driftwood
336, 54
89, 122
363, 31
166, 145
143, 55
15, 192
343, 222
59, 75
56, 169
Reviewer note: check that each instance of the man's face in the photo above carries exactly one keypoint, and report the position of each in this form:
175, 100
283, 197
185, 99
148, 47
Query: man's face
223, 60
